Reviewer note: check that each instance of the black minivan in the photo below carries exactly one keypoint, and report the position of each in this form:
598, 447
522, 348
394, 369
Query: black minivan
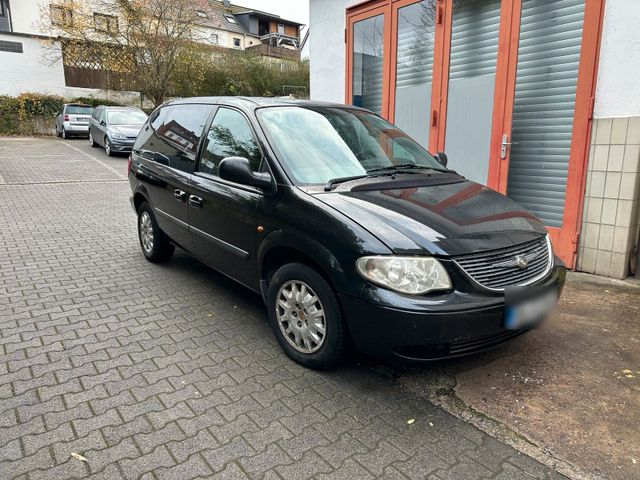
352, 233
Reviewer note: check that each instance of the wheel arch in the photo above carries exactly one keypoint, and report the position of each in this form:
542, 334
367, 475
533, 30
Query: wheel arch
280, 248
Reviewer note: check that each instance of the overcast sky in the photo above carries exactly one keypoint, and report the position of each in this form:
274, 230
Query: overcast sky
296, 10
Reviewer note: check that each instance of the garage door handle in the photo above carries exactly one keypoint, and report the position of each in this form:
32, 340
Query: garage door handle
195, 201
180, 195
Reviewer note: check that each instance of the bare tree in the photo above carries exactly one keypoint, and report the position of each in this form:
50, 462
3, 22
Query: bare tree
144, 42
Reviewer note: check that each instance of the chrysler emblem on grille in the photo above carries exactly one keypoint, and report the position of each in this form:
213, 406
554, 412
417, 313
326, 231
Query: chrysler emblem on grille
520, 261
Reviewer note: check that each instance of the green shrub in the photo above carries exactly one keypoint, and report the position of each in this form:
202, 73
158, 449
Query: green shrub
36, 104
9, 120
94, 102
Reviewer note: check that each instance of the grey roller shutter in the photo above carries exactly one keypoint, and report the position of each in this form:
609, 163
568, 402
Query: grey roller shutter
546, 81
472, 75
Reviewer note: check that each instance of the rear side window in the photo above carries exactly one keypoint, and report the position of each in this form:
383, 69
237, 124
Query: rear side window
229, 136
174, 131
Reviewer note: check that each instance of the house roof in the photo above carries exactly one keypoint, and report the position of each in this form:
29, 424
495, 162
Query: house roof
216, 18
271, 16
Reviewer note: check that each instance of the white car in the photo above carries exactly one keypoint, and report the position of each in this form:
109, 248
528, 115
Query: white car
73, 120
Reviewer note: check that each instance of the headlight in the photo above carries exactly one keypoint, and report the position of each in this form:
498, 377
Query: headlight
414, 275
119, 136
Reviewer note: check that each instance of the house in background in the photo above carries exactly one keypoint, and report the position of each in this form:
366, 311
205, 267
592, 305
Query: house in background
221, 25
537, 99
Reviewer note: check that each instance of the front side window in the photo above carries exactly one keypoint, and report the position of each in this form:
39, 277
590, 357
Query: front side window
321, 143
229, 136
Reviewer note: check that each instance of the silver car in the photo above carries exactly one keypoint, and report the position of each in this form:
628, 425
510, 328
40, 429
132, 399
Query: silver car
73, 120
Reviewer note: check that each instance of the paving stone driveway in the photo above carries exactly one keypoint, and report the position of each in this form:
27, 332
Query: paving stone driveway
170, 371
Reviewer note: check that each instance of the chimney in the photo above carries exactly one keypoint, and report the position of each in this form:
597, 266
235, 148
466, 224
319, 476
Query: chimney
226, 3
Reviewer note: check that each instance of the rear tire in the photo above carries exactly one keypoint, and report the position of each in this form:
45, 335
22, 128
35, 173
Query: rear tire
58, 132
305, 317
155, 245
64, 134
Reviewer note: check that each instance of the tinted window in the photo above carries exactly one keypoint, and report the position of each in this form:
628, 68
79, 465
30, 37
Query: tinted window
174, 132
229, 136
79, 110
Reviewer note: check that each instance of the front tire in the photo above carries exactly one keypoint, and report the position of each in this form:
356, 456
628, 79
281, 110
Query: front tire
305, 317
108, 148
92, 142
156, 246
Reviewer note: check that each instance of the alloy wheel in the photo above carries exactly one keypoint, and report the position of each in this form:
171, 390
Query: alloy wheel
146, 232
301, 316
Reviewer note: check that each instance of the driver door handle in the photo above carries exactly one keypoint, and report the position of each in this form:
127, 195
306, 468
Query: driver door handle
179, 195
195, 201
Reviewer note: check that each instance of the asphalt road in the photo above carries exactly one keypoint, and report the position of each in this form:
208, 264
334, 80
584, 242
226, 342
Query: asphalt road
155, 372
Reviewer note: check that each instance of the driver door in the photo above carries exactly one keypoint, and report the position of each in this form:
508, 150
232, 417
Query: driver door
223, 214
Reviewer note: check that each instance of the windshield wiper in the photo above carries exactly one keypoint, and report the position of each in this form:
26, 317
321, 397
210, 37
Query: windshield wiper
334, 181
405, 166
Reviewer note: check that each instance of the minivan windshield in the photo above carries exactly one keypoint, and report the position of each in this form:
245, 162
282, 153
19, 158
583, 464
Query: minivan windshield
318, 144
126, 117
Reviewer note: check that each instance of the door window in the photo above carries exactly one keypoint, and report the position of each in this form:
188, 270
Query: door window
368, 46
414, 68
472, 78
229, 136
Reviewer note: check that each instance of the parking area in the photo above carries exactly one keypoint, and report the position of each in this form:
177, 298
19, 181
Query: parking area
171, 371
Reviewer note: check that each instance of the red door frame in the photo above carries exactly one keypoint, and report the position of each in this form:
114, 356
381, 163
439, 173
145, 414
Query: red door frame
565, 239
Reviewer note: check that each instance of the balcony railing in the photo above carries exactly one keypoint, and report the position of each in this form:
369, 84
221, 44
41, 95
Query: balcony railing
281, 40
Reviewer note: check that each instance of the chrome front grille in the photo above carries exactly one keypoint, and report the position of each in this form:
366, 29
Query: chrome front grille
506, 267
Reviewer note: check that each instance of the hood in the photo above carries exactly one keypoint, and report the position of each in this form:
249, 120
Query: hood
441, 218
130, 131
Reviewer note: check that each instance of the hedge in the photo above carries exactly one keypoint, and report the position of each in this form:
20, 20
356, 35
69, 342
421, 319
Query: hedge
17, 113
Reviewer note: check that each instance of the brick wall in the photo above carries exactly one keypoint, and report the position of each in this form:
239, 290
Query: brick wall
612, 198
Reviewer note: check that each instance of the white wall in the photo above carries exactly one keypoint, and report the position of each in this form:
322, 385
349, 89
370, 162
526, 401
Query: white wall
327, 48
618, 89
25, 15
29, 72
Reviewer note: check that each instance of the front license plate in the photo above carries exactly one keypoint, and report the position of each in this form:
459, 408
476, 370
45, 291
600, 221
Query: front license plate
527, 312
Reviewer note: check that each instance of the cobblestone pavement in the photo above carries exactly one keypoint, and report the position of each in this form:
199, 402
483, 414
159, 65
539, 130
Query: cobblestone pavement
170, 372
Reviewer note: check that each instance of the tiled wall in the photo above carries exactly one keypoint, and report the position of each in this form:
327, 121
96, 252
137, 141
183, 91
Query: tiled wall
611, 218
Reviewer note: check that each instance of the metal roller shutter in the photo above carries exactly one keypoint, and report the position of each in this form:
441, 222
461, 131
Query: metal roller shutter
546, 81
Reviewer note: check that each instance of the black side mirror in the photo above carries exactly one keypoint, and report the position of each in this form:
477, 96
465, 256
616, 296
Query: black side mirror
238, 170
441, 158
103, 123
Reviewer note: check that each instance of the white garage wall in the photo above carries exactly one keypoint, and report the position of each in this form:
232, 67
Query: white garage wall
327, 48
618, 89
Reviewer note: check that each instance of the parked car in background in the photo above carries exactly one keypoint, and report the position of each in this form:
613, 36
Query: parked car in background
73, 120
115, 128
350, 230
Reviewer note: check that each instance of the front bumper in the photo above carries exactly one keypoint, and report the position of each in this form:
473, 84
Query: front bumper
385, 324
123, 146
